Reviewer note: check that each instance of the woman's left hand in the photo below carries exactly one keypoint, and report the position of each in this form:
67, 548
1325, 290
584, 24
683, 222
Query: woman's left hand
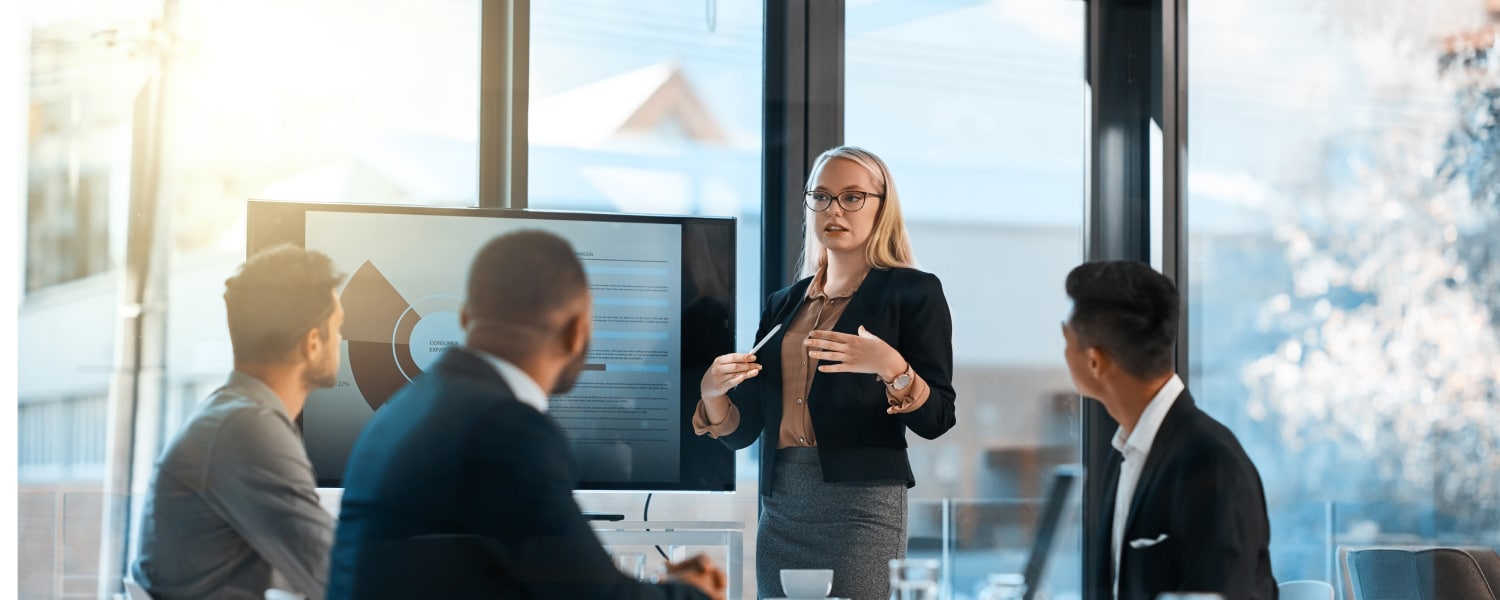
863, 353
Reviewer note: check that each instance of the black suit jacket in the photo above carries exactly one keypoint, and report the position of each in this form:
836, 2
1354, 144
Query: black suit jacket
1201, 491
452, 453
857, 440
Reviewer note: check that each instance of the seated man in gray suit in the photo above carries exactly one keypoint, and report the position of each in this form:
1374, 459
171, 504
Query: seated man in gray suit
1184, 510
233, 503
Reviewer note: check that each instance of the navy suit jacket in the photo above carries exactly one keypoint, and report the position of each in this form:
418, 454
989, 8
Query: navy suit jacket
1199, 490
857, 440
452, 453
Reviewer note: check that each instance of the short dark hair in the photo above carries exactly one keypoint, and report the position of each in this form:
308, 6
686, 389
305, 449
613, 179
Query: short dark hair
277, 296
522, 278
1127, 309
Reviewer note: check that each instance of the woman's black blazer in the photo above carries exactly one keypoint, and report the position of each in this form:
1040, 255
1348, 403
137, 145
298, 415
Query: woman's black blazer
857, 440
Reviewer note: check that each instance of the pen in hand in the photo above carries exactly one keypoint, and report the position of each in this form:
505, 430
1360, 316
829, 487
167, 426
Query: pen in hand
765, 339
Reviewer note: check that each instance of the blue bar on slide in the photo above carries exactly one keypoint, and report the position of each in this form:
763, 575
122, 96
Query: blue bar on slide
630, 335
636, 368
629, 302
592, 270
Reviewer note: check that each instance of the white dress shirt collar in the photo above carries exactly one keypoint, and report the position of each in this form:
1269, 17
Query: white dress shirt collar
521, 384
1139, 440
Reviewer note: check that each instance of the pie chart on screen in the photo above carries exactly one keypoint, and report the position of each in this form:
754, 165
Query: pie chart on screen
392, 339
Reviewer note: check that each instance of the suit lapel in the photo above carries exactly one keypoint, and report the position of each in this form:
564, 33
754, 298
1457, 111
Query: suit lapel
770, 354
1107, 508
1163, 446
863, 303
796, 297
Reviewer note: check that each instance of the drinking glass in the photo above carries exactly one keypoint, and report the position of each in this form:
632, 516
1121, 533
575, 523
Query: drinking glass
914, 578
1004, 586
632, 564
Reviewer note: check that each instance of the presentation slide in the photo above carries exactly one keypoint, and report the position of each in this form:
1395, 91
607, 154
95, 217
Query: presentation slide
401, 302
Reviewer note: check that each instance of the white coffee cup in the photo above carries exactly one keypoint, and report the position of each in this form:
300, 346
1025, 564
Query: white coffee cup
806, 583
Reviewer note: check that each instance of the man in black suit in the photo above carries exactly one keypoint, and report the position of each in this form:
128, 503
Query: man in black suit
1184, 510
461, 485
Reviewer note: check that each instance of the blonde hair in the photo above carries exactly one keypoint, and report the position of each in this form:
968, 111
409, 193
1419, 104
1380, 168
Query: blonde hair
888, 245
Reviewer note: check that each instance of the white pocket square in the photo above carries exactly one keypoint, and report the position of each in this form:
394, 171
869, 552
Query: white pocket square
1147, 542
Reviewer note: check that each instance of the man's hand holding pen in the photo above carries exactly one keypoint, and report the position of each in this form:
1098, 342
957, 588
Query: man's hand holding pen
701, 573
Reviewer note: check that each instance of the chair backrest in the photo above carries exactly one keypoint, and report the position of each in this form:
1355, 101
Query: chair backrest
1306, 589
434, 566
1421, 574
1489, 563
1059, 494
134, 591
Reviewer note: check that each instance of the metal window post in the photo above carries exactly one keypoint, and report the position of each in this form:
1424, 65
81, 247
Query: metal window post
804, 115
138, 385
504, 98
1137, 75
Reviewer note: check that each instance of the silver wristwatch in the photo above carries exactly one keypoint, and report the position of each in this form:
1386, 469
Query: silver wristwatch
902, 380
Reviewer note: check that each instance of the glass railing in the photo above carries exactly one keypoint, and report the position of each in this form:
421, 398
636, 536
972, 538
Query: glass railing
977, 538
60, 536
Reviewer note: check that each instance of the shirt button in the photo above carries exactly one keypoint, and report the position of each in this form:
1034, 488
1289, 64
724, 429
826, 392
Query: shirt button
799, 401
803, 440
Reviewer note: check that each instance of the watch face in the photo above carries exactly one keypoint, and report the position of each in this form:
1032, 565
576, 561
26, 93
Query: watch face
901, 381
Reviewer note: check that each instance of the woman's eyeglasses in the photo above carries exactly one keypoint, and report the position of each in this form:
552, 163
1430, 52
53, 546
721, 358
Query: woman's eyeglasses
849, 201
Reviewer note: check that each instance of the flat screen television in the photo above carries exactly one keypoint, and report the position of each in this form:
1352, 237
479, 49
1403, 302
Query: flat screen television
663, 294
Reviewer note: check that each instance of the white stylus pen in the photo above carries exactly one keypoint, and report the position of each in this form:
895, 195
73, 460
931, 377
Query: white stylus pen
763, 340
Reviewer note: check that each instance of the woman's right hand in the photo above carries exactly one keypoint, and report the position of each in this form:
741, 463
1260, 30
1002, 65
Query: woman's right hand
728, 370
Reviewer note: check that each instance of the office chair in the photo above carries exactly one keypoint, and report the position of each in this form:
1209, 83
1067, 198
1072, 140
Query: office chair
435, 566
1420, 574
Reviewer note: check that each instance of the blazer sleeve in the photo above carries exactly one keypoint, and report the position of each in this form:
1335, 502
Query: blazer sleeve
927, 343
523, 466
1221, 508
748, 396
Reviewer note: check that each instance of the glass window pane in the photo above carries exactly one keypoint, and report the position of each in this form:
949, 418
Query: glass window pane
1342, 242
656, 108
345, 102
323, 101
980, 110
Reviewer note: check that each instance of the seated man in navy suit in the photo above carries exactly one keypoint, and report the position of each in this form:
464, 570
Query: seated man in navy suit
1184, 510
461, 485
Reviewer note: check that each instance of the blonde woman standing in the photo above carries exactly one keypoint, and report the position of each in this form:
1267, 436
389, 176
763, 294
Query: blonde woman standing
864, 353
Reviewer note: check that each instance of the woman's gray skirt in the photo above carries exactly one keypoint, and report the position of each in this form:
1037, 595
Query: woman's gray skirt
853, 528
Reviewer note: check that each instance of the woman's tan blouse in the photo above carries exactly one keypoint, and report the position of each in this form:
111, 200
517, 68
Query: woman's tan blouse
819, 312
